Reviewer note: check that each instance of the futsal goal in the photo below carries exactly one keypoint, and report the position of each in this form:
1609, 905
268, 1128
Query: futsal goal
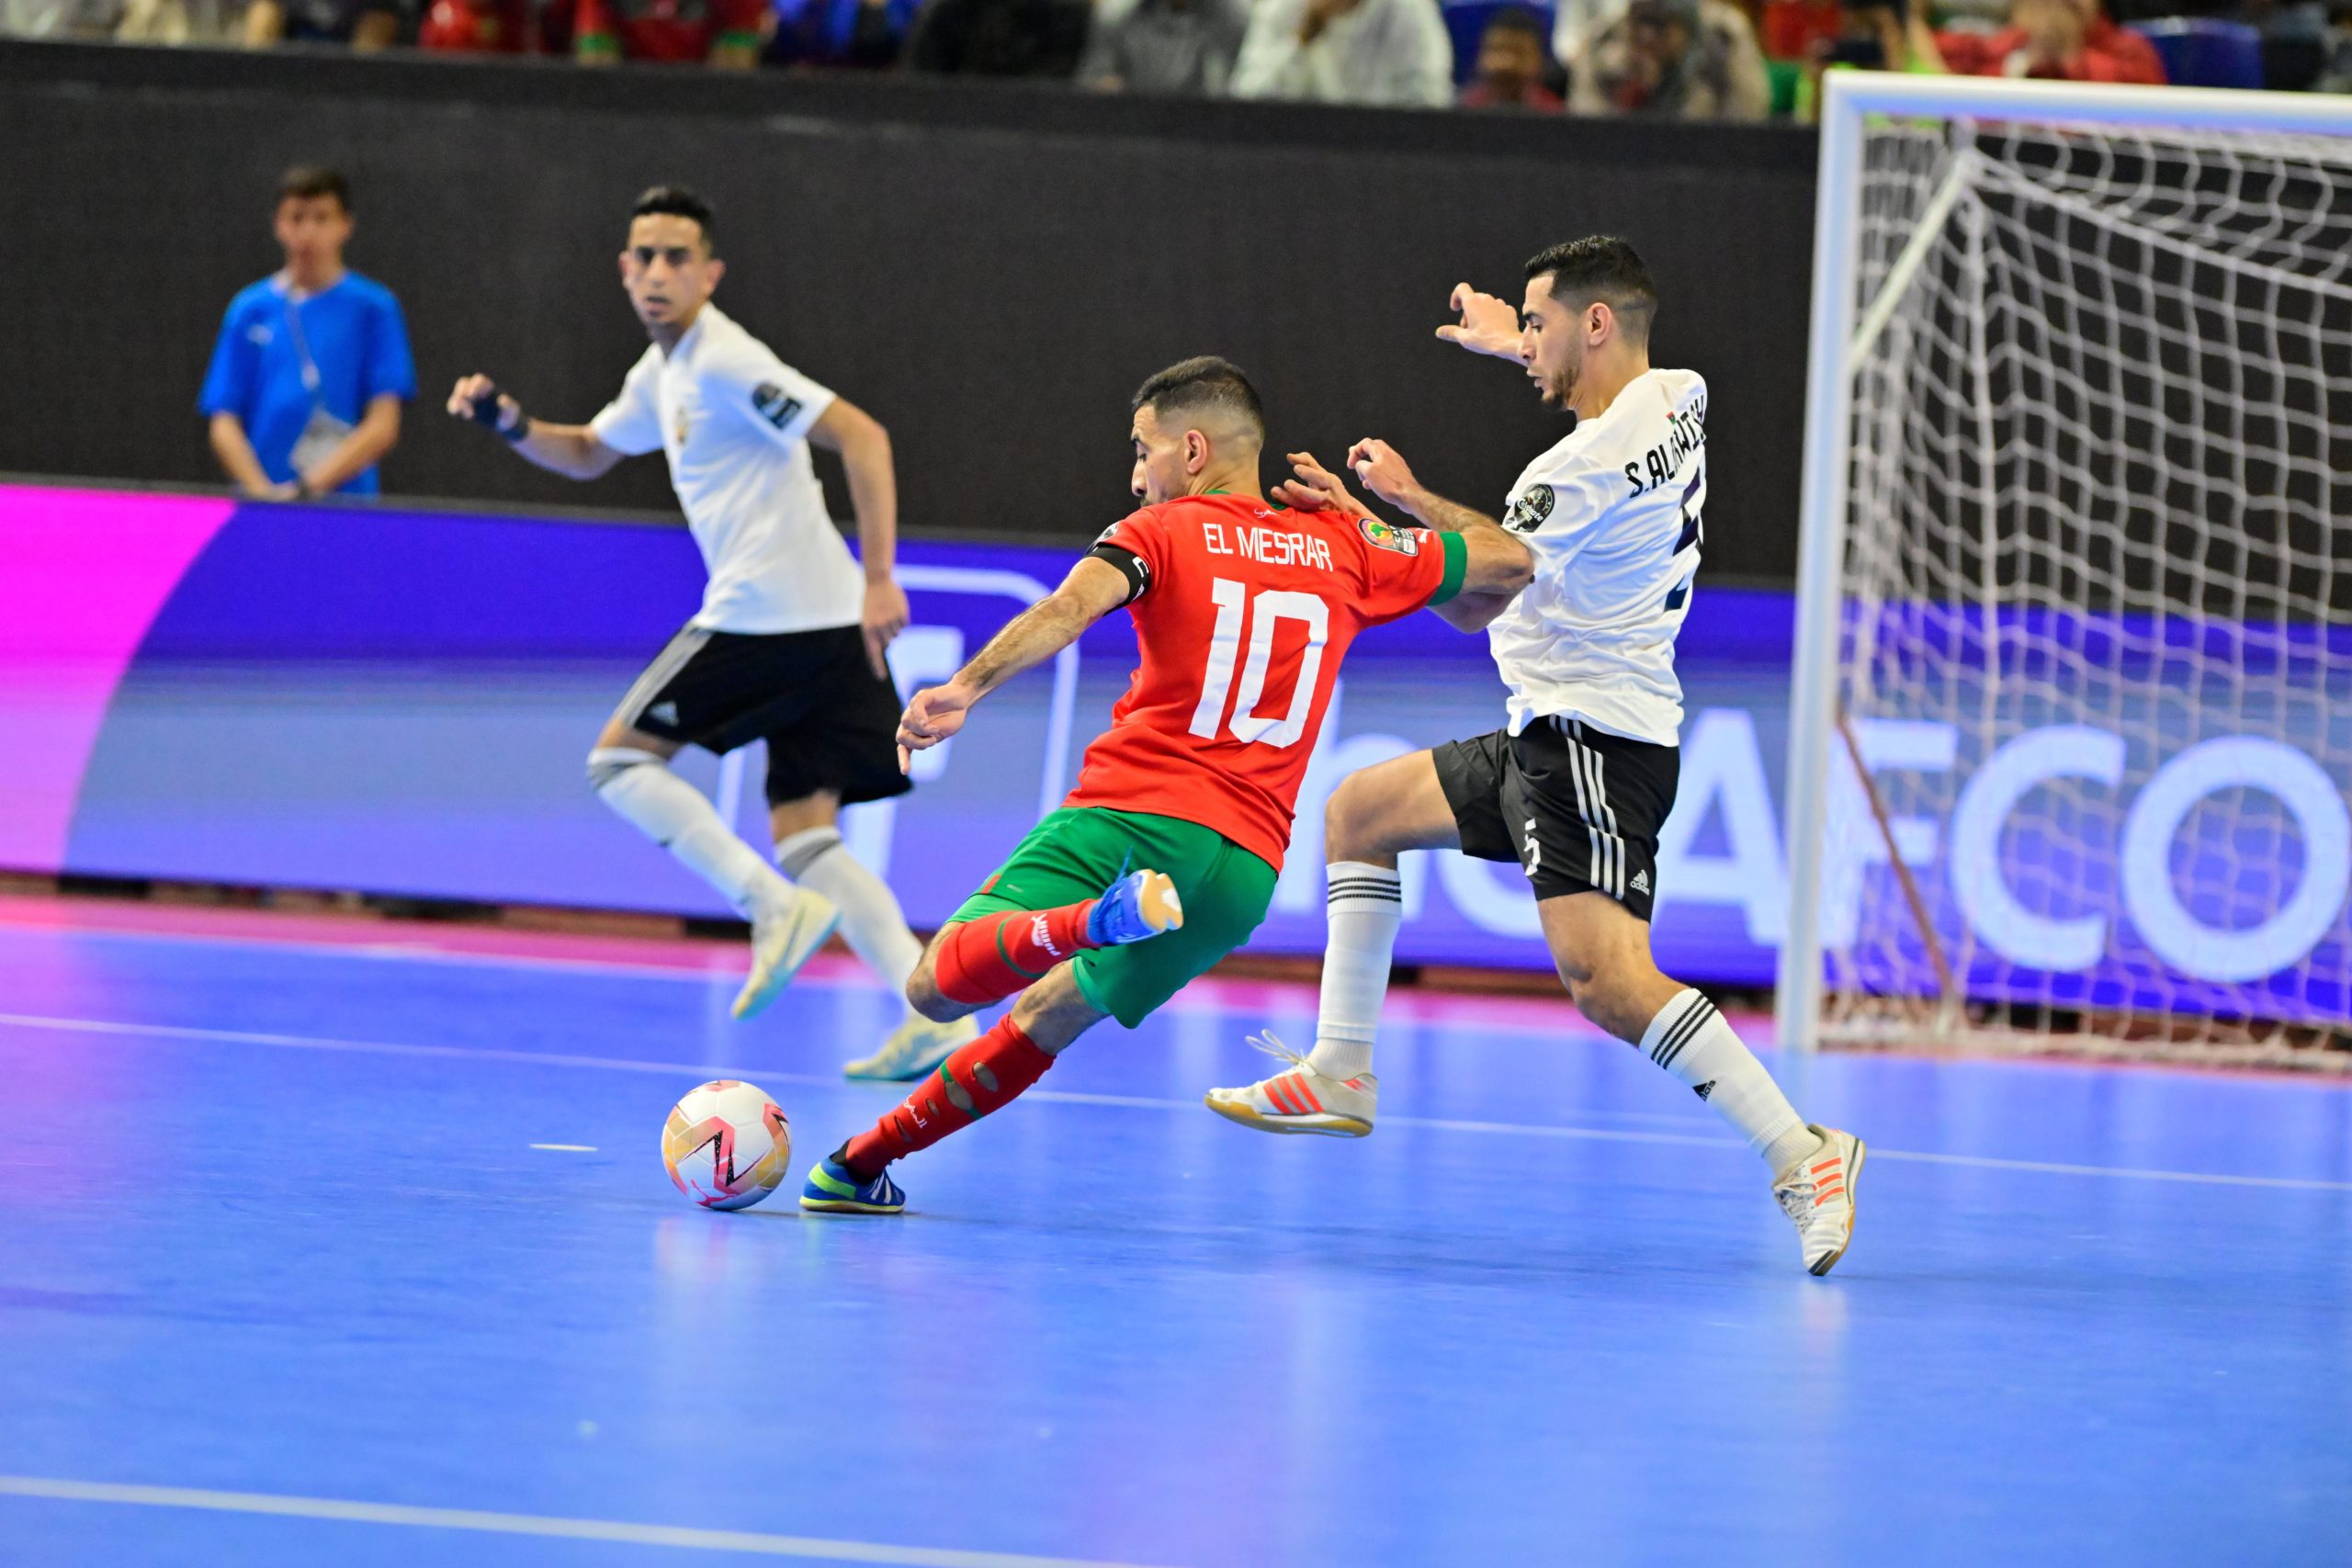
2071, 723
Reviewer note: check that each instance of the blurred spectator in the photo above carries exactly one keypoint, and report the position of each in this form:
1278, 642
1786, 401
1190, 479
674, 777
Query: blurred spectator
1512, 61
1000, 37
1872, 35
1347, 51
1673, 60
866, 35
2070, 39
1178, 48
59, 18
2294, 41
178, 22
2337, 76
723, 33
477, 27
1883, 35
364, 25
313, 364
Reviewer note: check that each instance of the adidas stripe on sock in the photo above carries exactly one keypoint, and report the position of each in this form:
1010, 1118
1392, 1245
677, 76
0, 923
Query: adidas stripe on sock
1367, 905
872, 923
1694, 1041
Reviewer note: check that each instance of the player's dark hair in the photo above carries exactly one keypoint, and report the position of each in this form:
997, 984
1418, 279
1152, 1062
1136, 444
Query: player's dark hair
1199, 385
1602, 267
304, 181
677, 201
1519, 19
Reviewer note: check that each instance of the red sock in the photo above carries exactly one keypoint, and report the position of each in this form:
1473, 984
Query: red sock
989, 959
974, 1081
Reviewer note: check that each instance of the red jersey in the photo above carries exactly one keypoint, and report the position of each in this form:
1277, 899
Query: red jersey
673, 31
1244, 615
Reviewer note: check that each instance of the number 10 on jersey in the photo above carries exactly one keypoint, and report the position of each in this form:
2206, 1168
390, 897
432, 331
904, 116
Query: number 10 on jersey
1239, 616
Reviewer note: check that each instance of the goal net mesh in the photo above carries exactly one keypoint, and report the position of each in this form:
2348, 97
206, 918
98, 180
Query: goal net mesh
2095, 650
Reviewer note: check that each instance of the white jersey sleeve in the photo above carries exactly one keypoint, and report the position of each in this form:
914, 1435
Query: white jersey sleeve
745, 377
632, 423
1611, 515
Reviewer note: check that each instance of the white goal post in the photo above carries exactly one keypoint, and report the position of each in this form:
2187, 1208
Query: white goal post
2070, 731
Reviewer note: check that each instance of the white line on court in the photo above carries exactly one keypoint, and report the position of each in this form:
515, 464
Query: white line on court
424, 953
1126, 1102
568, 1148
678, 1536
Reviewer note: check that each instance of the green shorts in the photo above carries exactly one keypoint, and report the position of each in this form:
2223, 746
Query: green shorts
1075, 853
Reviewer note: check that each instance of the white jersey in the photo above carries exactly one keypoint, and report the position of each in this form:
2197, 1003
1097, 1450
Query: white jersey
734, 419
1611, 516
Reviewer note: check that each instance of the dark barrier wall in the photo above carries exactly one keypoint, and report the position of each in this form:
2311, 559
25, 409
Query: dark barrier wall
990, 269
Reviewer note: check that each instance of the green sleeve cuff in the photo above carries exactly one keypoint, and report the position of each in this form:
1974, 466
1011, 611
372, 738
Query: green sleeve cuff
1456, 551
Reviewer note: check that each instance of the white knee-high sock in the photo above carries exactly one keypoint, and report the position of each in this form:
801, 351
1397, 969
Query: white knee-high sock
872, 923
1367, 905
674, 813
1689, 1039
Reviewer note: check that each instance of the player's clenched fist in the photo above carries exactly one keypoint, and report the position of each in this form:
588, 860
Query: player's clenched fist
1489, 324
476, 398
934, 714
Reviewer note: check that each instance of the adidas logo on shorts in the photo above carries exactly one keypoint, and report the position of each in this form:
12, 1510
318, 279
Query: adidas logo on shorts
1641, 883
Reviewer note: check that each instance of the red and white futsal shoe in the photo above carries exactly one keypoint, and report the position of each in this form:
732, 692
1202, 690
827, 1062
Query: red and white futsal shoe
1301, 1099
1817, 1194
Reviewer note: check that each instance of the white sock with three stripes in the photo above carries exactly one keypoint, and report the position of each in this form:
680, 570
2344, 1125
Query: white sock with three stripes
1367, 905
1689, 1039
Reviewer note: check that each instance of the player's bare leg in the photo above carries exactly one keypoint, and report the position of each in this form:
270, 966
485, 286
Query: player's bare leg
630, 771
1375, 815
978, 1078
1602, 952
810, 849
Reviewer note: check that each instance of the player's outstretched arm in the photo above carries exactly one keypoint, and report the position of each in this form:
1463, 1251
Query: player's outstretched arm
1490, 324
1498, 566
864, 449
571, 450
1092, 590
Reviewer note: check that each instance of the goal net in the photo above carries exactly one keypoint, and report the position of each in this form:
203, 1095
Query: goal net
2072, 724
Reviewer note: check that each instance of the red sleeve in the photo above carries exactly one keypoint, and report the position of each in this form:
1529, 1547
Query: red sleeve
2121, 55
1143, 536
592, 29
738, 21
1401, 568
1976, 54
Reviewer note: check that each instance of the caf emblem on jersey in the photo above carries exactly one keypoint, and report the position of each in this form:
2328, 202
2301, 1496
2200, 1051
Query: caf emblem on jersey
1381, 536
1527, 514
773, 405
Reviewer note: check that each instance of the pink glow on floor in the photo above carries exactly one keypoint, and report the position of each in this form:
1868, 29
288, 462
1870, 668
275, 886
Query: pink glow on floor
83, 574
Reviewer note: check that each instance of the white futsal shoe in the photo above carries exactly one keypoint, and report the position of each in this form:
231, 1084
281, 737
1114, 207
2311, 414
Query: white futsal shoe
1817, 1194
1299, 1101
783, 939
915, 1048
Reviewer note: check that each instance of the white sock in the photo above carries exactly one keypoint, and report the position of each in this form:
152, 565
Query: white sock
1689, 1039
1367, 905
674, 813
872, 923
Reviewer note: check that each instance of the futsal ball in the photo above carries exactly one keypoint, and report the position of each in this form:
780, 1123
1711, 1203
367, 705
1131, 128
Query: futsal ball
727, 1146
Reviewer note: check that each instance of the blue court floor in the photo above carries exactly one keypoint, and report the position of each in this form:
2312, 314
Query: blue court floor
312, 1255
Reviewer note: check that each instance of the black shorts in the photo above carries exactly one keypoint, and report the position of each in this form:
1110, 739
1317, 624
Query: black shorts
1578, 809
830, 721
